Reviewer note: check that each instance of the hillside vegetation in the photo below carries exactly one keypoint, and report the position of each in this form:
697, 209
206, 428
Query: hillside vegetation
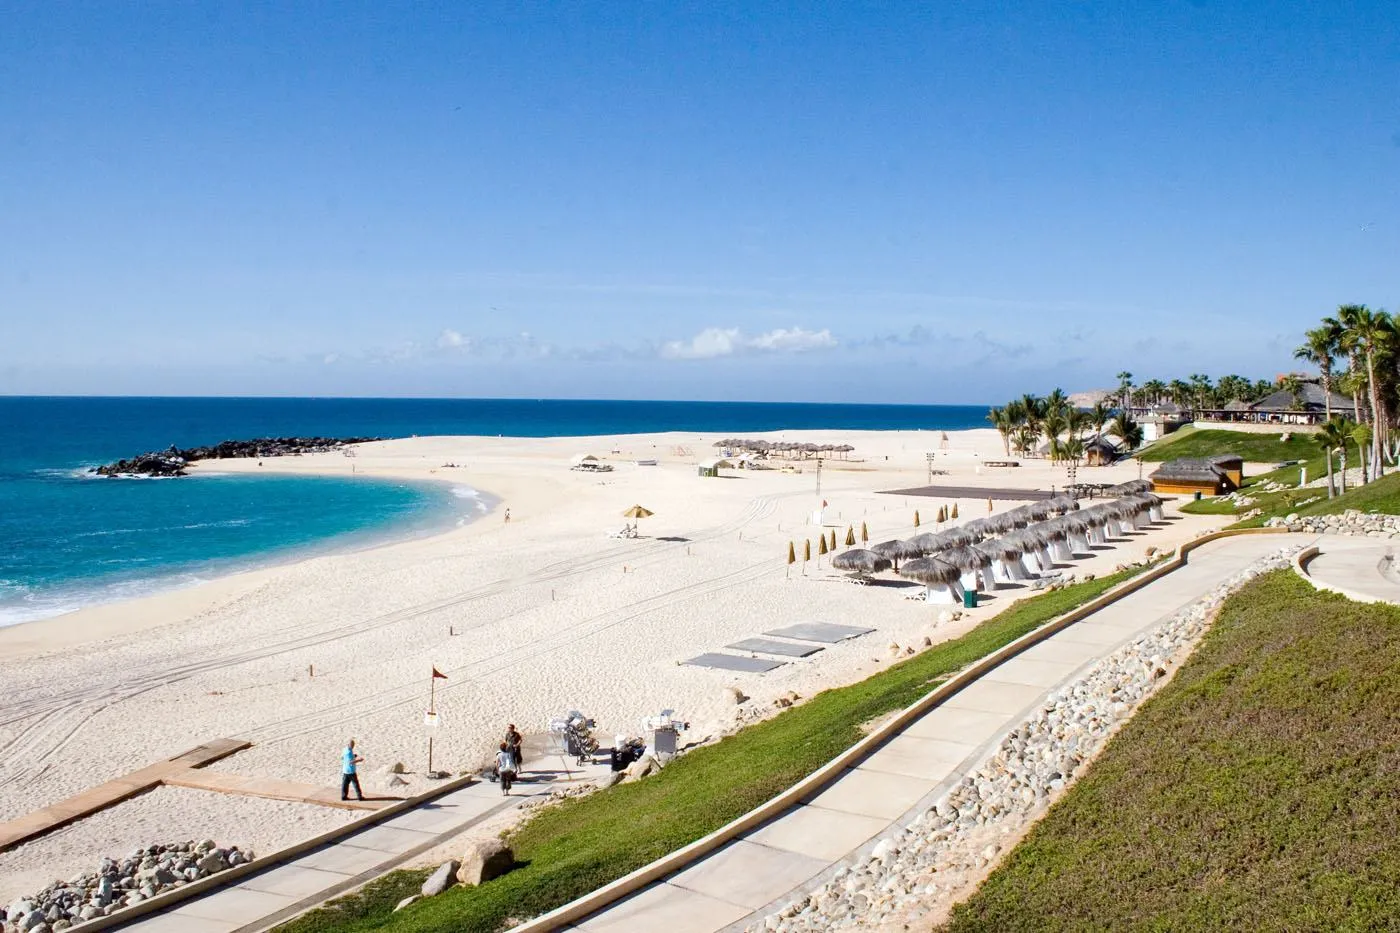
1259, 790
582, 844
1258, 448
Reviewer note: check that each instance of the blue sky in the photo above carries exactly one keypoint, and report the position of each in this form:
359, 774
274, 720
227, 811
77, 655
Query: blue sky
814, 202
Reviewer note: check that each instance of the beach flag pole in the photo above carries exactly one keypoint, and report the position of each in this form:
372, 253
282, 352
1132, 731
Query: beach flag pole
431, 720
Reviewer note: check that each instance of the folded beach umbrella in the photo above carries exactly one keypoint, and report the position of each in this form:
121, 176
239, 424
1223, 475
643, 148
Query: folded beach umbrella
860, 561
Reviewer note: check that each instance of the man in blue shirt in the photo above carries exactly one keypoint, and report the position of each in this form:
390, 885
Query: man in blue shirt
348, 760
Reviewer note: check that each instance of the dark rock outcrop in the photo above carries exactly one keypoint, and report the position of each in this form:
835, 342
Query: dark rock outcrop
172, 462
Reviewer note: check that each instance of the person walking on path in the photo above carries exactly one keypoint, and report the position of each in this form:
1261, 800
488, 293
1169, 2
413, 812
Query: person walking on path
505, 767
507, 516
514, 741
348, 775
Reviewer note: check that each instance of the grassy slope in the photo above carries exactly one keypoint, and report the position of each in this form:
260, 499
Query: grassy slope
582, 844
1381, 496
1258, 448
1260, 790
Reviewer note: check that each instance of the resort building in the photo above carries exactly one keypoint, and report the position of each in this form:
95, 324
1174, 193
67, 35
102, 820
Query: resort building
1213, 476
1307, 406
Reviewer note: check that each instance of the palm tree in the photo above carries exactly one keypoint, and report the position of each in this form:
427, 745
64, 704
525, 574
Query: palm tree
1127, 430
1373, 333
1125, 388
1004, 425
1200, 390
1101, 414
1057, 402
1330, 437
1320, 348
1155, 390
1360, 435
1179, 392
1294, 387
1055, 424
1348, 343
1034, 410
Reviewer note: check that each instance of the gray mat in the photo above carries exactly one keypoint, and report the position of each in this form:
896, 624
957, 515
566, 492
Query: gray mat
819, 631
768, 646
732, 662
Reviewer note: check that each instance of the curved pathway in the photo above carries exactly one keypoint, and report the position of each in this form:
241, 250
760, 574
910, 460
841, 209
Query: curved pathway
1362, 569
759, 872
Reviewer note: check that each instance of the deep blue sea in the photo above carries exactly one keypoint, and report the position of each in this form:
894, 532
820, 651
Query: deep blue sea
68, 539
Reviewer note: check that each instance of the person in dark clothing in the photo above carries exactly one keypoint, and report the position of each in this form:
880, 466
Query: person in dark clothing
514, 740
348, 776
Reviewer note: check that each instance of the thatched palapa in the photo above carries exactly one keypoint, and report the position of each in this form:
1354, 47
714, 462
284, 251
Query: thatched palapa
860, 561
930, 571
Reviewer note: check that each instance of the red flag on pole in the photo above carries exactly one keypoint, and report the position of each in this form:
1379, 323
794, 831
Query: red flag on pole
437, 673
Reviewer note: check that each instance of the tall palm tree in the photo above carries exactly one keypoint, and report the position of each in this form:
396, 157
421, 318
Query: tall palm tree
1055, 424
1156, 390
1330, 437
1179, 392
1101, 414
1057, 402
1004, 425
1200, 390
1320, 348
1035, 410
1125, 388
1373, 333
1360, 435
1349, 344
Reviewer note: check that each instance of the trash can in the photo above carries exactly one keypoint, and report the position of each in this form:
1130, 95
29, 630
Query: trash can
969, 599
1198, 495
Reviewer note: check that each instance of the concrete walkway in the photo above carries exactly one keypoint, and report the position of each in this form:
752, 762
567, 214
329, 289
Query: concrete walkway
261, 900
1360, 568
758, 873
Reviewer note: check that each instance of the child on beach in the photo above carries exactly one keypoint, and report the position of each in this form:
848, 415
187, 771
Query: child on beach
505, 767
348, 775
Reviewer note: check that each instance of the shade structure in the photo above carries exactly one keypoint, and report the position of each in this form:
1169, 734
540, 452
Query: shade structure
1018, 517
1129, 488
897, 551
1038, 511
929, 570
959, 536
638, 511
1001, 524
1062, 503
860, 562
940, 579
1035, 553
1006, 560
974, 565
979, 527
928, 542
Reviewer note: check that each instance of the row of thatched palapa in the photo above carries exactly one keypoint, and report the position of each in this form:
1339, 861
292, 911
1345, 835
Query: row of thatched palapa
1018, 544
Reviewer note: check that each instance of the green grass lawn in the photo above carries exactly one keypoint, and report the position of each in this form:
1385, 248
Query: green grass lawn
582, 844
1383, 495
1258, 448
1260, 790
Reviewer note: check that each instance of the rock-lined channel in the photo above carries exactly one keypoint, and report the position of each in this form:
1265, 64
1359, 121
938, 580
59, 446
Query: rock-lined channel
934, 860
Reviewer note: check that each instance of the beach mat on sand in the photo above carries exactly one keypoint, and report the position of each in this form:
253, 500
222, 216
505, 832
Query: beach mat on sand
786, 649
732, 662
819, 631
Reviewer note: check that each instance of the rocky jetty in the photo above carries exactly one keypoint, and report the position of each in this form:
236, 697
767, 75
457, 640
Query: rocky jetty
172, 462
1350, 522
947, 849
119, 883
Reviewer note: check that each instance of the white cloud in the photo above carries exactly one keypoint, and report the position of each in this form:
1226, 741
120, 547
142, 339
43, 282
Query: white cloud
450, 339
714, 342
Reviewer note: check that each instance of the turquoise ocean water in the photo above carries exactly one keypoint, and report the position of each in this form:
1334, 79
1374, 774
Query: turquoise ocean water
68, 539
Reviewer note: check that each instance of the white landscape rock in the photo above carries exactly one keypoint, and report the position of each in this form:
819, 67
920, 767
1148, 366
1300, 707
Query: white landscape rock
1350, 522
916, 868
117, 883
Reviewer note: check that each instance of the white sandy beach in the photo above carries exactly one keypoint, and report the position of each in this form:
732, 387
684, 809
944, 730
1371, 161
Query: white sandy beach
547, 614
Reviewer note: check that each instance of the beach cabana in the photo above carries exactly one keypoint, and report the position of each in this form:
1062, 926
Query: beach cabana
860, 563
959, 536
974, 565
928, 542
711, 467
940, 579
1034, 556
1097, 528
1006, 560
896, 551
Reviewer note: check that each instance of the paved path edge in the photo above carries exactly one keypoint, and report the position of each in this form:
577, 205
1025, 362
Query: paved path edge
684, 857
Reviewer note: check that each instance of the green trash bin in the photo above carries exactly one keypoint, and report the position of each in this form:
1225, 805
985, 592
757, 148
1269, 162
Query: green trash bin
1198, 495
969, 599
